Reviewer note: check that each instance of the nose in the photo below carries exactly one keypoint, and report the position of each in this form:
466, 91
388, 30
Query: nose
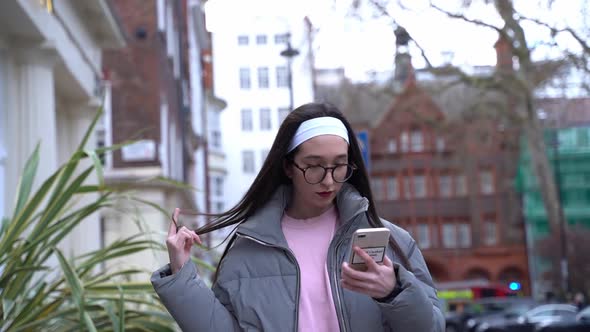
328, 178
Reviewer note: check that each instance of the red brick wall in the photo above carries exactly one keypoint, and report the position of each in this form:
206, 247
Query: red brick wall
414, 109
142, 78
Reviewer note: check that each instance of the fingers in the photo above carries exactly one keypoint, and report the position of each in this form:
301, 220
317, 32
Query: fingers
183, 237
350, 273
173, 225
387, 262
377, 281
197, 238
371, 264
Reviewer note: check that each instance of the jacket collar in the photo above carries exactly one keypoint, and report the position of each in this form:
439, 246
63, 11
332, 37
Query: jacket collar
265, 224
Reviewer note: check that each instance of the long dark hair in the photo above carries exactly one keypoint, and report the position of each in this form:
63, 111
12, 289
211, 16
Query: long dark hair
272, 174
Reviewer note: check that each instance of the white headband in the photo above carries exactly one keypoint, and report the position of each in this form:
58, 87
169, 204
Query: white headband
318, 126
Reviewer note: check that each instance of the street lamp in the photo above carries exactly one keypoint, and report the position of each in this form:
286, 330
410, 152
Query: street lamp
290, 53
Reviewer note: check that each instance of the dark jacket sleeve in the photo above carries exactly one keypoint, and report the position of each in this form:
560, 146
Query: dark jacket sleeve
414, 306
191, 302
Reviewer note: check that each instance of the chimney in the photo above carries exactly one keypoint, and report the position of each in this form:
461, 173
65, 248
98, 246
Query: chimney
504, 54
404, 71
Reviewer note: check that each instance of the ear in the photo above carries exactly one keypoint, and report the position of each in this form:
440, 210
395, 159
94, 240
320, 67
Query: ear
288, 168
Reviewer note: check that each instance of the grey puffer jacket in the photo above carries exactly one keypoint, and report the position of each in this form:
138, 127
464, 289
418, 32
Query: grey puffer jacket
258, 283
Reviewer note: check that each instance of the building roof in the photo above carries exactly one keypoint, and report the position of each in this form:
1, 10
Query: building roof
365, 104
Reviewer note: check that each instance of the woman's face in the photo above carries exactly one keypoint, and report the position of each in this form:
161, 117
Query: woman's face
323, 150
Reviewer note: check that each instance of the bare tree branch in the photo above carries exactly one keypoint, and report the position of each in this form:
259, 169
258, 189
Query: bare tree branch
554, 32
464, 18
379, 6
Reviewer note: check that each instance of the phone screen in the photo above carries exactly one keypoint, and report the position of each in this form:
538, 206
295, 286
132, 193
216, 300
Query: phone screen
376, 254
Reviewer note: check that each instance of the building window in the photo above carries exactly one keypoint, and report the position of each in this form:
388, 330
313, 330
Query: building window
460, 185
405, 141
583, 137
265, 119
243, 40
100, 143
219, 207
486, 182
407, 181
247, 120
464, 235
263, 155
440, 144
248, 161
216, 139
424, 236
445, 186
281, 38
244, 78
263, 77
417, 141
377, 186
282, 77
449, 236
392, 188
490, 233
218, 186
283, 113
392, 145
161, 10
261, 40
419, 186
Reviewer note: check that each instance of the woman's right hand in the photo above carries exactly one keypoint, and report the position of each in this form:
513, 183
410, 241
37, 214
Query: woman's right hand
179, 243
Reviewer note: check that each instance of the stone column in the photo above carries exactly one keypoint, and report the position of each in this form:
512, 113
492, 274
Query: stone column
73, 121
31, 115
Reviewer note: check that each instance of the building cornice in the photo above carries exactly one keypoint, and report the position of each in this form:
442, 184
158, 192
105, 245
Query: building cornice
102, 22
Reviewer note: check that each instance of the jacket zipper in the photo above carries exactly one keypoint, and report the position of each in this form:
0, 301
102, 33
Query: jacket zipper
292, 256
340, 307
338, 297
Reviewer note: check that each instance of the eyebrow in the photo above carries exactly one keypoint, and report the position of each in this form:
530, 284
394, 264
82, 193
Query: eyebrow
314, 157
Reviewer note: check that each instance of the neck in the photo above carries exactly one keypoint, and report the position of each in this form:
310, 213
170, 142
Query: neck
298, 211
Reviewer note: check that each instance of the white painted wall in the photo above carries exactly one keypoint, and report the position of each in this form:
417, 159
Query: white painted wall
51, 95
228, 58
198, 106
3, 117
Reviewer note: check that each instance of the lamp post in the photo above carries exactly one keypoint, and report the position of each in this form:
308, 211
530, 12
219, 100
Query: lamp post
290, 53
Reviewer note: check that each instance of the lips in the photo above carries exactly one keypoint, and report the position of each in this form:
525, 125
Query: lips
325, 194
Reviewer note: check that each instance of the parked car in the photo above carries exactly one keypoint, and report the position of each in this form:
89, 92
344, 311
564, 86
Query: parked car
532, 320
457, 321
581, 324
512, 310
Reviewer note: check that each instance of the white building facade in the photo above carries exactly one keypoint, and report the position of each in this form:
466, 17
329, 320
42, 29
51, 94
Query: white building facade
50, 89
206, 111
252, 77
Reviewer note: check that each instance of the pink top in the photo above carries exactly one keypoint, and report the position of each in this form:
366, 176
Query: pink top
309, 240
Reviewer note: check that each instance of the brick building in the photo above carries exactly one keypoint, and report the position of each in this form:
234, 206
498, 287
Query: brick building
443, 170
151, 101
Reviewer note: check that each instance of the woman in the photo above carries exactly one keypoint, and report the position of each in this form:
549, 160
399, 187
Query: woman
285, 267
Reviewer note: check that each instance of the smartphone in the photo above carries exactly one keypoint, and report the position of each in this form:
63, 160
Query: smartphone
373, 241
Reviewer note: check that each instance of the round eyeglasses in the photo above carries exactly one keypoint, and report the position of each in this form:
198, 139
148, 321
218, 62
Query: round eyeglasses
316, 174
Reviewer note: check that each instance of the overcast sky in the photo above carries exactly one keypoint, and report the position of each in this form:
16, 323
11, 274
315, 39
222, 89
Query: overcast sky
362, 45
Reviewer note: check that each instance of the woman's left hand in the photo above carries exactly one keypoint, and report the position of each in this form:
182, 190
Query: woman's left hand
378, 281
